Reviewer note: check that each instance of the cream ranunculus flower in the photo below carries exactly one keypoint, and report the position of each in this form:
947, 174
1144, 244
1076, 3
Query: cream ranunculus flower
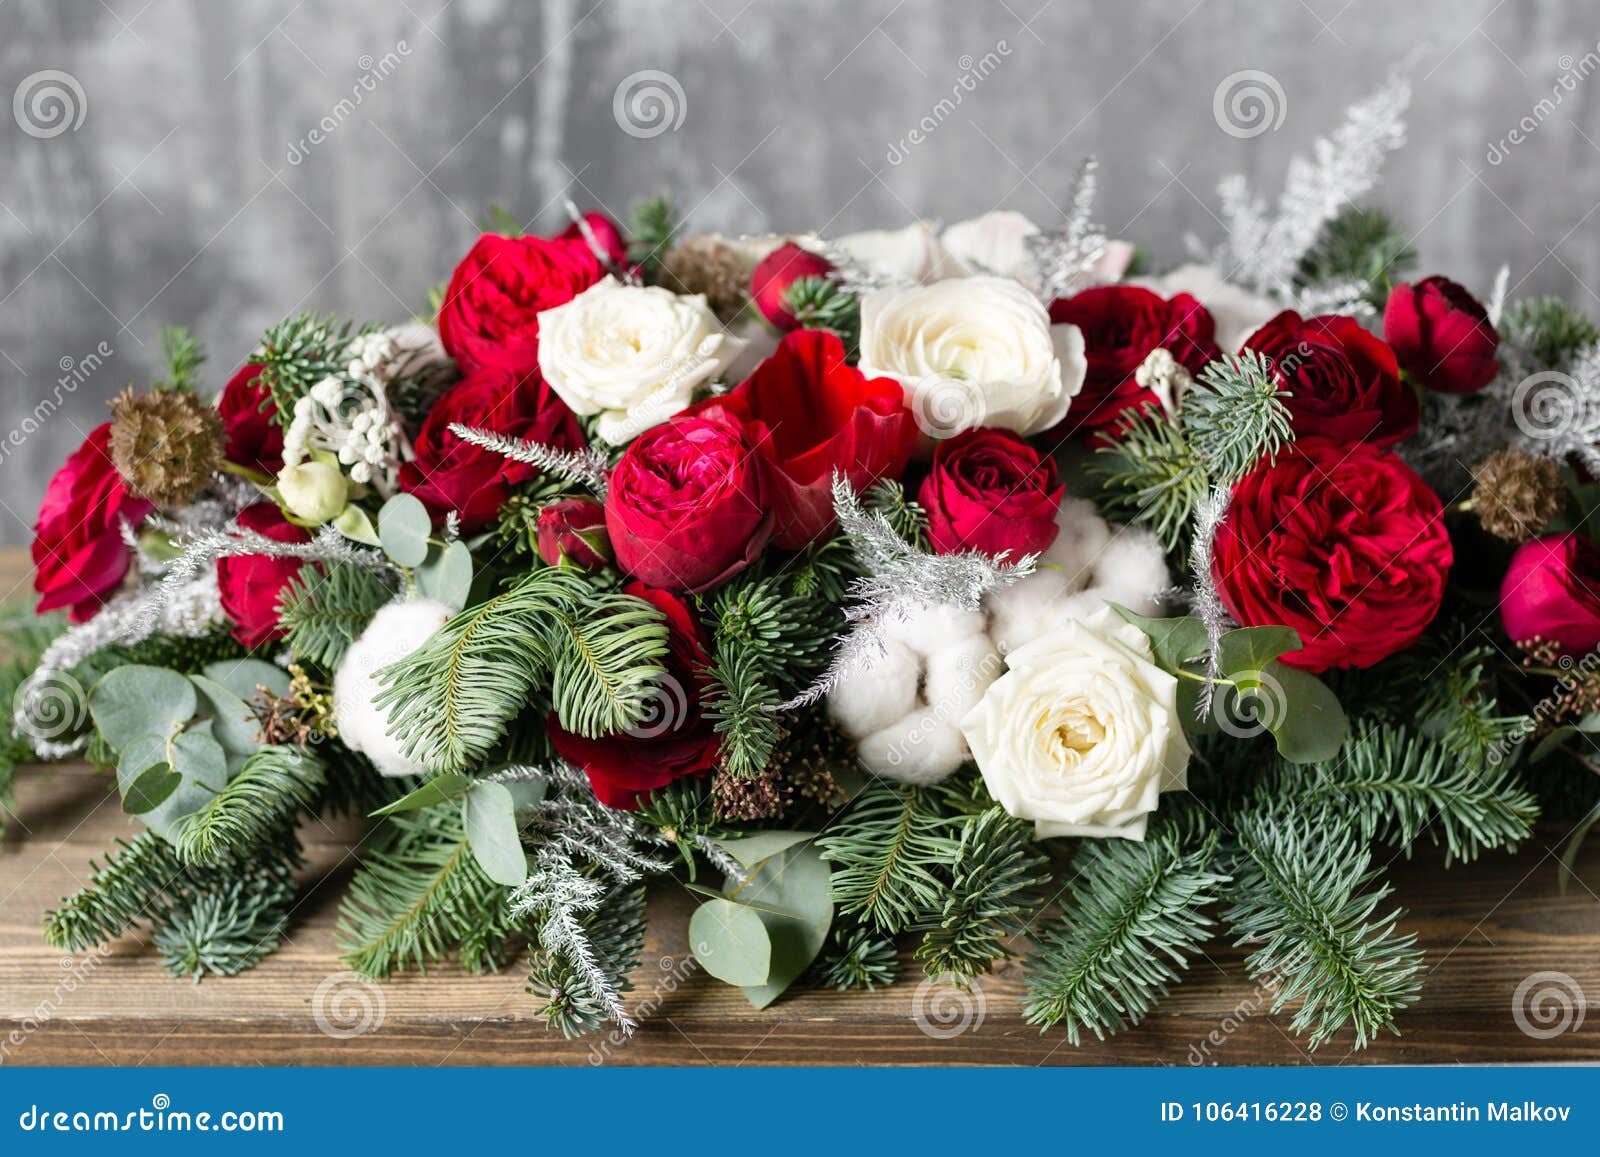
973, 351
632, 354
1082, 733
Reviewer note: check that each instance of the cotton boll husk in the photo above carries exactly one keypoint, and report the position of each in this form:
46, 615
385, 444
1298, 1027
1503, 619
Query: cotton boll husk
929, 628
957, 676
1132, 570
922, 748
397, 630
1083, 536
874, 697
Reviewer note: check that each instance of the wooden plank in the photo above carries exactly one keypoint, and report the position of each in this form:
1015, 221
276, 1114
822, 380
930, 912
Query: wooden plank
1485, 927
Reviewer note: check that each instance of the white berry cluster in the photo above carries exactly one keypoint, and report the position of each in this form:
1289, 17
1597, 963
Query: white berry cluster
349, 416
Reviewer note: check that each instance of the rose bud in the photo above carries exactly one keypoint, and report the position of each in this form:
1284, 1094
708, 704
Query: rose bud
776, 272
1551, 592
251, 584
990, 491
573, 530
250, 422
313, 491
1442, 336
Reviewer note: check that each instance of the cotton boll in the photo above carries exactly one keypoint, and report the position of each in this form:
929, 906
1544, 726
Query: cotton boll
1018, 612
397, 630
1132, 570
921, 748
930, 628
957, 676
1084, 534
874, 697
1080, 605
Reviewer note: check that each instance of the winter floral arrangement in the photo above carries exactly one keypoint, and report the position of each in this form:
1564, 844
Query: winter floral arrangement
921, 598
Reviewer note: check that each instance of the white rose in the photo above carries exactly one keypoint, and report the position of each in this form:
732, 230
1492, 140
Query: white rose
973, 351
1237, 312
1081, 734
632, 354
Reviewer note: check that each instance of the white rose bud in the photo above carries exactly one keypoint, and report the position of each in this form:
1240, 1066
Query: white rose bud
313, 491
973, 351
632, 354
1082, 732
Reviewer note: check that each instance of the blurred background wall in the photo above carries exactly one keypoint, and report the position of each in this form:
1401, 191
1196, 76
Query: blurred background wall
221, 165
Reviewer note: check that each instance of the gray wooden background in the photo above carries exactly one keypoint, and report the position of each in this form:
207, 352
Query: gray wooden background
177, 179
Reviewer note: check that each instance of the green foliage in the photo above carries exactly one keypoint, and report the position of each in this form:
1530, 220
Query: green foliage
739, 703
1303, 893
887, 850
127, 890
1548, 331
183, 355
858, 957
906, 517
259, 802
223, 932
1234, 416
498, 219
598, 652
1397, 787
1152, 478
993, 892
1358, 245
324, 611
651, 233
615, 932
820, 303
420, 898
299, 352
177, 653
1128, 928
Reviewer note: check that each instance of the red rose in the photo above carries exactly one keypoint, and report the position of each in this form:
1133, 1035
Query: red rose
1552, 592
573, 529
251, 583
249, 419
1121, 325
1441, 335
990, 491
688, 505
79, 556
778, 270
490, 312
1342, 382
808, 413
606, 231
1344, 543
450, 474
674, 741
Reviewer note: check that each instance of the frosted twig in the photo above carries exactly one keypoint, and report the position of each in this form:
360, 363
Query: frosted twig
1208, 518
721, 859
587, 467
1063, 259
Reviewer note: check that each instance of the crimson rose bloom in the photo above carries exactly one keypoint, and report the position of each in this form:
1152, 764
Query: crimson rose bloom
989, 490
606, 231
450, 474
808, 413
773, 275
1344, 543
79, 556
1552, 591
688, 505
1342, 382
490, 312
251, 583
1121, 324
249, 420
674, 741
1442, 336
573, 529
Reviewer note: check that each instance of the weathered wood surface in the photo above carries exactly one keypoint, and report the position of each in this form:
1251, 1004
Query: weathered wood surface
1485, 929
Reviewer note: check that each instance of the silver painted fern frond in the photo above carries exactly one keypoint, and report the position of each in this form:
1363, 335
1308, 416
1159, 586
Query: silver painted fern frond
1063, 258
587, 467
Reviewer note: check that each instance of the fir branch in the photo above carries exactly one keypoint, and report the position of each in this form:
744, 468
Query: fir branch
1128, 928
301, 351
1361, 247
1152, 478
651, 233
887, 852
588, 467
858, 957
1234, 416
126, 890
742, 706
613, 931
993, 892
231, 927
183, 355
1546, 333
1303, 893
820, 303
323, 611
274, 784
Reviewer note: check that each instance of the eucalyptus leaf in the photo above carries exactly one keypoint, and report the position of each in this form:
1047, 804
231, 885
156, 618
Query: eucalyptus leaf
1173, 642
445, 786
793, 882
134, 701
244, 676
150, 788
233, 723
403, 529
753, 849
356, 524
1253, 648
194, 755
1311, 726
489, 814
731, 943
447, 576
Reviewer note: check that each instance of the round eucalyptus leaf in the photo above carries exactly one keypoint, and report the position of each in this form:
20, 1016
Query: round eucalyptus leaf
447, 576
244, 677
403, 528
731, 942
150, 788
134, 701
489, 814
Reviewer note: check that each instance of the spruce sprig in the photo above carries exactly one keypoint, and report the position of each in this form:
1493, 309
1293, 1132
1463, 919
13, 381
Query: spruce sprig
615, 933
265, 796
887, 851
322, 611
